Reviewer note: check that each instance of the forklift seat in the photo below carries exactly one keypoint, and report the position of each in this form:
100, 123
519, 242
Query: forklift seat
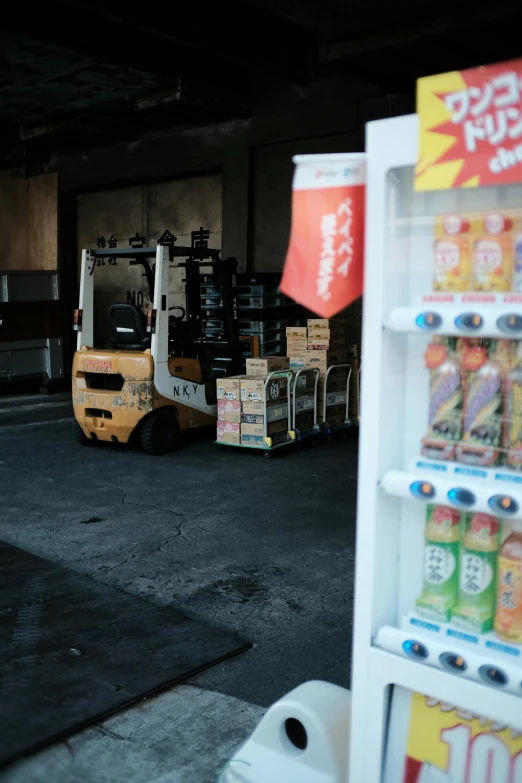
129, 327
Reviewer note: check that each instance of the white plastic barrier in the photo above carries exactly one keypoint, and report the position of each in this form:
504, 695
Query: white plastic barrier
303, 738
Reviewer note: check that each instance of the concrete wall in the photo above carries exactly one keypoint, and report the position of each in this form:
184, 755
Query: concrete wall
181, 206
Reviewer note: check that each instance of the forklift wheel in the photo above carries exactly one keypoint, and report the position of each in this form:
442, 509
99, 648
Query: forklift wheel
80, 435
159, 432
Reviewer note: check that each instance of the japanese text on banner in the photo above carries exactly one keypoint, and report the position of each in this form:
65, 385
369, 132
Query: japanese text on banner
471, 127
324, 264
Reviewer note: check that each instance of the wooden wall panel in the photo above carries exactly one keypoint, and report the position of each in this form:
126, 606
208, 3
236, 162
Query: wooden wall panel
43, 222
14, 223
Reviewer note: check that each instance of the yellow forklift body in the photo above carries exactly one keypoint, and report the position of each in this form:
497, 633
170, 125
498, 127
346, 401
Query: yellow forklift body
114, 390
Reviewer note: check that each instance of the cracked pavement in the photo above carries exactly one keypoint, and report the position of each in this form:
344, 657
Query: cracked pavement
263, 547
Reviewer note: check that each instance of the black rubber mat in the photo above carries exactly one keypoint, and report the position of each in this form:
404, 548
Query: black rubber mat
73, 650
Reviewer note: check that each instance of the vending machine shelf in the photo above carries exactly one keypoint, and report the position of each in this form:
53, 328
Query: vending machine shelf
493, 320
458, 657
495, 496
487, 644
461, 315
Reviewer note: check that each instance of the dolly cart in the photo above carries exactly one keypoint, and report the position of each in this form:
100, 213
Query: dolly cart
335, 398
303, 380
271, 413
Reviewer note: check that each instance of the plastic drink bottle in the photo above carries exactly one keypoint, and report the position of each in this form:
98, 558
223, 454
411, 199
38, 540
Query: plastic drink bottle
477, 574
441, 563
508, 617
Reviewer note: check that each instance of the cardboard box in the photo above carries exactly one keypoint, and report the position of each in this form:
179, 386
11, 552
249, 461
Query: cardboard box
228, 432
273, 413
253, 407
253, 389
272, 428
305, 383
266, 364
296, 331
318, 346
319, 334
229, 410
298, 361
325, 358
304, 421
229, 388
332, 398
258, 440
316, 324
296, 345
304, 403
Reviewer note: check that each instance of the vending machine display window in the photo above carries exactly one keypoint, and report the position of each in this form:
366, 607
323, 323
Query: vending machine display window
439, 549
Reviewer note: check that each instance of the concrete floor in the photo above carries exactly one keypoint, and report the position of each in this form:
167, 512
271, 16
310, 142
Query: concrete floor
184, 735
265, 548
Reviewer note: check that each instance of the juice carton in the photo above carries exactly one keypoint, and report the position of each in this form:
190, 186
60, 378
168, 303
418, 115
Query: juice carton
493, 253
452, 253
446, 400
513, 414
441, 563
478, 574
482, 438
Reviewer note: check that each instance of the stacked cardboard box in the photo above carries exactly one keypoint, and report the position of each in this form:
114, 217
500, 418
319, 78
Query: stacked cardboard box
241, 409
264, 365
296, 340
228, 392
325, 346
326, 334
256, 403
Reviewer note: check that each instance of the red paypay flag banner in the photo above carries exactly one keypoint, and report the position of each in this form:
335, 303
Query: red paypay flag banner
470, 127
324, 263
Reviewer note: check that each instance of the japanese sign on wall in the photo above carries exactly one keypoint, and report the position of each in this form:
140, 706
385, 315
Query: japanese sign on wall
470, 127
324, 264
451, 745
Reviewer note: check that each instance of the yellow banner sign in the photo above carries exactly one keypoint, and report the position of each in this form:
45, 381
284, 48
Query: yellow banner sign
470, 127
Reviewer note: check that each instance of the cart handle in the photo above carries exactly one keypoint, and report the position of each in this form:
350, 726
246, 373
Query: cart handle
315, 370
337, 367
277, 373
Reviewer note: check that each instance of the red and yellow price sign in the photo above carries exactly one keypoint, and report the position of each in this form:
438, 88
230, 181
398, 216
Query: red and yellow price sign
470, 127
450, 745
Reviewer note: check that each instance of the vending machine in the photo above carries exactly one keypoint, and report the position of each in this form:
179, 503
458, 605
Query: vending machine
437, 667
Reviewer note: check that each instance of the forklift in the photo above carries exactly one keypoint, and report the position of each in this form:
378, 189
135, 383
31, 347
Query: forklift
157, 380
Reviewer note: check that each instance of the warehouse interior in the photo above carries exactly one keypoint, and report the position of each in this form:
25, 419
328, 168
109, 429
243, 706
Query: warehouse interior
120, 123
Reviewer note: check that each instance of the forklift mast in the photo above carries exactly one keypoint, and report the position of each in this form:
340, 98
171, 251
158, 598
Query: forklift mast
224, 272
224, 276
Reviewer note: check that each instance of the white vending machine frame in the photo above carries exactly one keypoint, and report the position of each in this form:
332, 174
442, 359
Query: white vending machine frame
389, 524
